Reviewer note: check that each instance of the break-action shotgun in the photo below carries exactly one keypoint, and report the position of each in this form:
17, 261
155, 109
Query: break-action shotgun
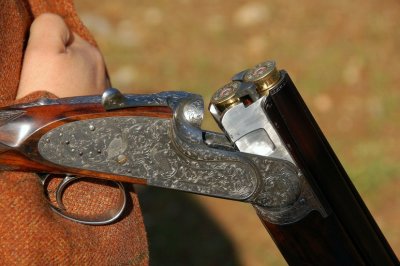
272, 155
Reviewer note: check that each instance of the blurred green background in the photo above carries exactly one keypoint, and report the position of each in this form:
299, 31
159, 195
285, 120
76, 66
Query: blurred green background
342, 55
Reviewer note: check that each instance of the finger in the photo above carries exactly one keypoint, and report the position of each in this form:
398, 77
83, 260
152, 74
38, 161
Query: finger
49, 34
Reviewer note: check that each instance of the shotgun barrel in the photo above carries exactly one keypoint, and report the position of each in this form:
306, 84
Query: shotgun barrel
263, 113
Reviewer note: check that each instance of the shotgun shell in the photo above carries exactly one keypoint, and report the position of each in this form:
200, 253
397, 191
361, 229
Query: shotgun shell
264, 75
225, 97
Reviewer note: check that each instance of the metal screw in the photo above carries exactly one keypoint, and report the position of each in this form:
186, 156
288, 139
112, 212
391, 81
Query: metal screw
121, 159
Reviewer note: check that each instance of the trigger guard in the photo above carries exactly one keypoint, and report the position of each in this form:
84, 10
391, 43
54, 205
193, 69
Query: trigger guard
102, 220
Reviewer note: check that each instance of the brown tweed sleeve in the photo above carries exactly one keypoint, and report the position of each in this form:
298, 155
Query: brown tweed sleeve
29, 232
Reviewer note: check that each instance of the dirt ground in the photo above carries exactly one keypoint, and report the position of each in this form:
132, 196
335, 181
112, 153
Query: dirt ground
342, 55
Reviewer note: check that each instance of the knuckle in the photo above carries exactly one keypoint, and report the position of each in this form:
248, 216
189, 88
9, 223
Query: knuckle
46, 19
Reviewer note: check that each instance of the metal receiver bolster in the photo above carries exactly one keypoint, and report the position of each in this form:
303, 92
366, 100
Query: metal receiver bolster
173, 153
238, 109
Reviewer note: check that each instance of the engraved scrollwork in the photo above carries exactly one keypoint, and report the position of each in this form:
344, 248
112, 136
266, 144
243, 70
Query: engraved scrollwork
173, 153
142, 147
281, 185
114, 99
283, 195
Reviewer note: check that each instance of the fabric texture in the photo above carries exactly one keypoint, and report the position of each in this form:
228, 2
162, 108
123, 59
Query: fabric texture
30, 233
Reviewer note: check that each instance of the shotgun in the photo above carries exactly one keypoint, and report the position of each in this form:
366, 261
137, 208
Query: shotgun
272, 155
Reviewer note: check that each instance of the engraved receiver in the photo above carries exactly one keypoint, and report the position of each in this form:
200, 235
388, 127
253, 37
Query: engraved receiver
142, 139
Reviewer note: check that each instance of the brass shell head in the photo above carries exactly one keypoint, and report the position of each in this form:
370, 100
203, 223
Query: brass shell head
264, 75
225, 96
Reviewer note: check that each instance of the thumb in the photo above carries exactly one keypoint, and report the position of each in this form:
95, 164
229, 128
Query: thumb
49, 34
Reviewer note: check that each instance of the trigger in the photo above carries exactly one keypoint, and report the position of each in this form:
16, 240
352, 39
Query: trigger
107, 218
60, 190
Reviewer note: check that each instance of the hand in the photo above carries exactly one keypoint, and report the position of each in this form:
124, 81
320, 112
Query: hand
60, 62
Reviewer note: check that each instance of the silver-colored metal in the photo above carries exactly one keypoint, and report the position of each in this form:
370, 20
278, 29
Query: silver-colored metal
109, 217
248, 90
172, 153
150, 154
7, 115
239, 76
217, 141
112, 99
278, 185
254, 123
175, 153
8, 125
256, 135
68, 100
